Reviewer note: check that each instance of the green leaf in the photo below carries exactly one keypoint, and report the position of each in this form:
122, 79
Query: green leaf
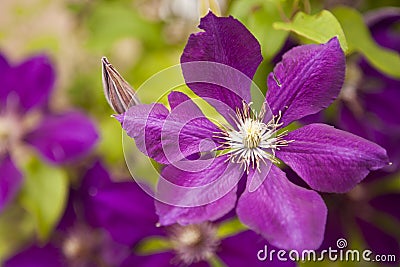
319, 28
44, 195
216, 261
152, 245
16, 228
360, 40
259, 17
230, 228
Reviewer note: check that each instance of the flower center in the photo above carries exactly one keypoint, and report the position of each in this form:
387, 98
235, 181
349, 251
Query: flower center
253, 141
80, 244
85, 246
252, 133
193, 243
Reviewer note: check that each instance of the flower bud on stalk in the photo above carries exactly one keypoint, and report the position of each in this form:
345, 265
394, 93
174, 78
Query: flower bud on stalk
119, 94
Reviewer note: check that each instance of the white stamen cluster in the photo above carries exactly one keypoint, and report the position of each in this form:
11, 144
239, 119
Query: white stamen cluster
253, 141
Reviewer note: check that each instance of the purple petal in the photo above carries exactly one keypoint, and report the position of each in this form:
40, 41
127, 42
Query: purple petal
379, 241
62, 138
10, 181
202, 195
331, 160
224, 41
31, 82
306, 81
35, 256
241, 250
170, 136
115, 207
288, 216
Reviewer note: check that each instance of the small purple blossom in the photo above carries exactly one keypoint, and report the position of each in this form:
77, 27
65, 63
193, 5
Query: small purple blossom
25, 119
306, 81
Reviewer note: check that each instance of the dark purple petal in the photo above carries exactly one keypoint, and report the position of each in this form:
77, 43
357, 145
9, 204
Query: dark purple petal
31, 82
387, 203
35, 256
69, 218
170, 136
338, 206
306, 81
288, 216
4, 66
10, 181
214, 185
241, 250
96, 177
225, 41
124, 210
379, 241
386, 97
331, 160
62, 138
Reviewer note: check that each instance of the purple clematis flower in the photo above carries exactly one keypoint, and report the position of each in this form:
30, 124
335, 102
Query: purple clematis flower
24, 118
106, 221
307, 80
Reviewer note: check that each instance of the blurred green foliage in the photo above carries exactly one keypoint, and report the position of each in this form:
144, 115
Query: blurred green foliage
44, 195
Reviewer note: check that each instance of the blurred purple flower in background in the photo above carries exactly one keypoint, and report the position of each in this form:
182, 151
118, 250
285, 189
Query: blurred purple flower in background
105, 223
369, 108
370, 98
25, 119
307, 80
78, 241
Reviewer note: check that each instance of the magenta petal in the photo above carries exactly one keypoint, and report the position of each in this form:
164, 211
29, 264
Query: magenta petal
224, 41
288, 216
331, 160
306, 81
170, 136
31, 82
62, 138
214, 188
10, 181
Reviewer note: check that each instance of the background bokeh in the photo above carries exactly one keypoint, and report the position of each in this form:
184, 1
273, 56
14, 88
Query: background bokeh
140, 38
